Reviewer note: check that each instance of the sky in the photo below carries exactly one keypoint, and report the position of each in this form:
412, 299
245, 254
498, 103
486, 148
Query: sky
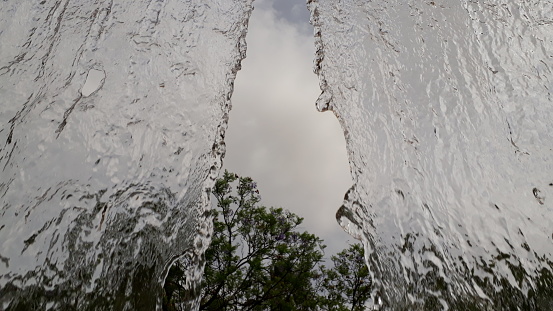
275, 135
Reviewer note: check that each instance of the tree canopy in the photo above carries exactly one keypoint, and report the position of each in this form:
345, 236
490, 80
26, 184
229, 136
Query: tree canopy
259, 259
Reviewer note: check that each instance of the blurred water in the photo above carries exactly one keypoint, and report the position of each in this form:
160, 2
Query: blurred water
447, 109
112, 115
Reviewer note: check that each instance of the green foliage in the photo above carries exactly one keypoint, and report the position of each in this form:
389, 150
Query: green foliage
260, 260
348, 283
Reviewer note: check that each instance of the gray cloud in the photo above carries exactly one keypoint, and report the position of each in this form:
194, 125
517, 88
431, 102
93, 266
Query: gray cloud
296, 154
293, 12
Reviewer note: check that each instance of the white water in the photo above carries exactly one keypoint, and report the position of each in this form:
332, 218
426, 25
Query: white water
112, 116
447, 108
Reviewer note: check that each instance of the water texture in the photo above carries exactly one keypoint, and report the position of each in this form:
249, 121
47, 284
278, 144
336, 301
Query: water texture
112, 115
447, 110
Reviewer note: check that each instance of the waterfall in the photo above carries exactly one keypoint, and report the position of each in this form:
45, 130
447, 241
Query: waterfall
447, 111
112, 118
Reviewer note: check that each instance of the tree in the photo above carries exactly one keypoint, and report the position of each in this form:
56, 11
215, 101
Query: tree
348, 284
259, 260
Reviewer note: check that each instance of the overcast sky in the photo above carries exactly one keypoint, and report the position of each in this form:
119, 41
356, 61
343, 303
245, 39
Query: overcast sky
296, 154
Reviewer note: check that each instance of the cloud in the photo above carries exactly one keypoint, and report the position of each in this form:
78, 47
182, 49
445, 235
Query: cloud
296, 154
292, 11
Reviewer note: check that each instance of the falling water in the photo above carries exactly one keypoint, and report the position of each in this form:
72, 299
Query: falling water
112, 115
447, 109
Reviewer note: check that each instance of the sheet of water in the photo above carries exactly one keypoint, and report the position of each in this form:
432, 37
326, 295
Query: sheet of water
447, 109
112, 115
